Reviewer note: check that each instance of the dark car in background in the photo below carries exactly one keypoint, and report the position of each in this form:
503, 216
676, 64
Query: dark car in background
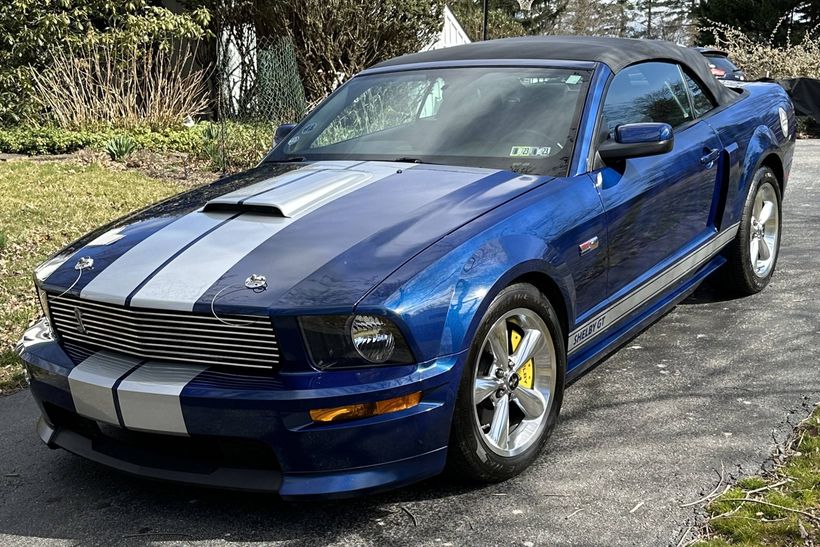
721, 66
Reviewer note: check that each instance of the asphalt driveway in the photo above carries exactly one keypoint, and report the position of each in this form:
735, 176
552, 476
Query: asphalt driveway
707, 387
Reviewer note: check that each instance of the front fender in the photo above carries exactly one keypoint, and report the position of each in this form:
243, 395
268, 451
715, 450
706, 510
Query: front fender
495, 265
443, 304
441, 293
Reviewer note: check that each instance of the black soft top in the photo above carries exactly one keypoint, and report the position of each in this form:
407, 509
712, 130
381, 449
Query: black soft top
616, 53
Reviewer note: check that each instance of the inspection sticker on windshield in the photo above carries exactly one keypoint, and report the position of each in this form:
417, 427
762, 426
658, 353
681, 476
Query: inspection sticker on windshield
573, 79
529, 151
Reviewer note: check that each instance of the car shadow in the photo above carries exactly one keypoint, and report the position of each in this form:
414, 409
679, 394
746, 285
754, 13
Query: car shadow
711, 291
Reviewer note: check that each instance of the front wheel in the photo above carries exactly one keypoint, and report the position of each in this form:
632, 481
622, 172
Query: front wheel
512, 387
752, 256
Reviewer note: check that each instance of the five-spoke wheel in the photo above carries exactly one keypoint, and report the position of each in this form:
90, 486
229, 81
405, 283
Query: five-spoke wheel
511, 393
752, 256
514, 381
765, 230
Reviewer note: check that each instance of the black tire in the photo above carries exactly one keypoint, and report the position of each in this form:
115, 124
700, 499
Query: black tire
469, 456
738, 275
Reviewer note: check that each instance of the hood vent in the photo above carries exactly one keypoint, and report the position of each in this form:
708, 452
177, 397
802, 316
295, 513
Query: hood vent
235, 208
294, 196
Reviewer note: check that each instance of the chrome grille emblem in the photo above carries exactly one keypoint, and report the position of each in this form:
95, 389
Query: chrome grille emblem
78, 315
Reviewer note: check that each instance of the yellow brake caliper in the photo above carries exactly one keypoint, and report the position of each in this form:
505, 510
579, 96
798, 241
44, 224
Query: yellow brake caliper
525, 375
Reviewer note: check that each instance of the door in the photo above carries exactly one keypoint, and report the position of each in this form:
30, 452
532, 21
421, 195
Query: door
656, 206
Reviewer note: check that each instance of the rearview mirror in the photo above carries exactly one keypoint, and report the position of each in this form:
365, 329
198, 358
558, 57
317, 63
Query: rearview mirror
635, 140
282, 132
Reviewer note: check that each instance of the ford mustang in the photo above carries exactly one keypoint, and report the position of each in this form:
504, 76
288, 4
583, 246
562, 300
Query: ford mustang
414, 273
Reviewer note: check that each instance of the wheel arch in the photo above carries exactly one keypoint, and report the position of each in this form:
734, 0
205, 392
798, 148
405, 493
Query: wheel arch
543, 276
773, 162
552, 291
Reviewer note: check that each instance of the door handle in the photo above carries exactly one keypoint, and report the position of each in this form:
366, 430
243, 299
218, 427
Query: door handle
711, 156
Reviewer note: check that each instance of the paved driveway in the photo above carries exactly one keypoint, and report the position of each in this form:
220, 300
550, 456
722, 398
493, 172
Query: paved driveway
704, 388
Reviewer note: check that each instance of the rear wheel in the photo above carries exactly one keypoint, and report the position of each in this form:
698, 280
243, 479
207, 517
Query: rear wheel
752, 256
512, 388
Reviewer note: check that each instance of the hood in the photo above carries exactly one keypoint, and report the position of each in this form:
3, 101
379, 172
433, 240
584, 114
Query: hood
322, 235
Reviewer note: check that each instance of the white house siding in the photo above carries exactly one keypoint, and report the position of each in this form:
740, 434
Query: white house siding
451, 34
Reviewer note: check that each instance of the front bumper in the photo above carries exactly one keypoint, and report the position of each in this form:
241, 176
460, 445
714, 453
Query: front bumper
241, 429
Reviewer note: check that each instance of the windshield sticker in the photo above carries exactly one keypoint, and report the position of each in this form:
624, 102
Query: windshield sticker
293, 141
529, 151
573, 79
309, 127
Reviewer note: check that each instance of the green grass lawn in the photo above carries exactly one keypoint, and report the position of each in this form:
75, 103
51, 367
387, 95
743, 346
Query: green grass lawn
43, 206
781, 508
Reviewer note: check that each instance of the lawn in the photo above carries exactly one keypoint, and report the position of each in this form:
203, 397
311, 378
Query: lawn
780, 508
43, 206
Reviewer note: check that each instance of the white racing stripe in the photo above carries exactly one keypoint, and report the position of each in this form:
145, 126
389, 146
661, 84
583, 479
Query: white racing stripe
150, 397
121, 277
185, 279
116, 282
274, 182
91, 384
180, 284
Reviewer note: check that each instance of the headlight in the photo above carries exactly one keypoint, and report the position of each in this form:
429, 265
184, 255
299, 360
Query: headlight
372, 337
340, 341
43, 297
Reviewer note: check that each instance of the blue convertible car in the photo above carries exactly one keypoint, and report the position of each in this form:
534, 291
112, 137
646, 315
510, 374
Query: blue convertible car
415, 272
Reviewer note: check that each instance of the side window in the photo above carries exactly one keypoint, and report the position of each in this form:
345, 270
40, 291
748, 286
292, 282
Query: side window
647, 92
701, 100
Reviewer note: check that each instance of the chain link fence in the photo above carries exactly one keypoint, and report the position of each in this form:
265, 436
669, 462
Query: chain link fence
258, 88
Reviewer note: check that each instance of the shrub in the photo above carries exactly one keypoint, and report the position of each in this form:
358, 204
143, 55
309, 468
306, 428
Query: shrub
373, 32
244, 144
764, 59
120, 147
48, 140
31, 29
241, 146
115, 86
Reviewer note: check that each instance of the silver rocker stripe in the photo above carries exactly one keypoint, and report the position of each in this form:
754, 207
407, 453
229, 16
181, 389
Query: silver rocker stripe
91, 384
649, 290
121, 277
181, 283
150, 397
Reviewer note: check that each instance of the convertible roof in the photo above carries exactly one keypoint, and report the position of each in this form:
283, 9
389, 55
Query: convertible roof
616, 53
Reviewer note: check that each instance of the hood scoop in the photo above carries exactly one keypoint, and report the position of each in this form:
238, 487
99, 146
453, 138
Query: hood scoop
291, 196
235, 208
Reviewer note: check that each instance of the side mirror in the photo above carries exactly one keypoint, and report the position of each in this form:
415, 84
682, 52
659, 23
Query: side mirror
635, 140
282, 132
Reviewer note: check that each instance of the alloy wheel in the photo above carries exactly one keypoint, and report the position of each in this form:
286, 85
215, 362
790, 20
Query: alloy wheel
763, 240
514, 383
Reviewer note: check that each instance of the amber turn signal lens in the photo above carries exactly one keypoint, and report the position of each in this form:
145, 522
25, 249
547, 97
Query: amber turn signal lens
365, 410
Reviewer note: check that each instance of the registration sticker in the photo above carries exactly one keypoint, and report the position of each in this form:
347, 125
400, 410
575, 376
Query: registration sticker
573, 79
529, 151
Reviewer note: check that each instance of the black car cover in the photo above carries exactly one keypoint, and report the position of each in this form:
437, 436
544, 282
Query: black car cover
805, 95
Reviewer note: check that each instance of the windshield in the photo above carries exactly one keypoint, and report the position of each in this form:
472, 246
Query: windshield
522, 119
722, 63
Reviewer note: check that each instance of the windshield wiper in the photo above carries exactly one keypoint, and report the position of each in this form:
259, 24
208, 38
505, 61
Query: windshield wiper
411, 160
294, 159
